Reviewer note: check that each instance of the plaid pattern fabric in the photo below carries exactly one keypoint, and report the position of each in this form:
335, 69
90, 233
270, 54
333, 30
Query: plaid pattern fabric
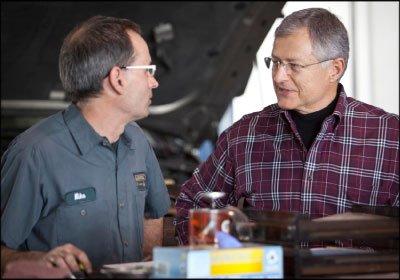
353, 160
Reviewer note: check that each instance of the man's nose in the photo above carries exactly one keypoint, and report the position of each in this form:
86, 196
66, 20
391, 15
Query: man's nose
153, 83
280, 74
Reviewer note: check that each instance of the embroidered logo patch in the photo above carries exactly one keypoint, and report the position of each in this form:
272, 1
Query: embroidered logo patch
140, 179
79, 196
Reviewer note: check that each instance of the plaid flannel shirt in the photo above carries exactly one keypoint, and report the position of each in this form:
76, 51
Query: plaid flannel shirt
354, 159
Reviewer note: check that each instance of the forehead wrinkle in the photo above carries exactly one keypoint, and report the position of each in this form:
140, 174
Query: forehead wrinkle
287, 59
295, 47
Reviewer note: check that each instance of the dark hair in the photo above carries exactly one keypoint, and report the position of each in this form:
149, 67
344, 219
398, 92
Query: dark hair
90, 51
327, 33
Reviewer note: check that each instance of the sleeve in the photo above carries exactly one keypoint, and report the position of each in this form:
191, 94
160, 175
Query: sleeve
394, 189
157, 200
21, 199
393, 134
215, 174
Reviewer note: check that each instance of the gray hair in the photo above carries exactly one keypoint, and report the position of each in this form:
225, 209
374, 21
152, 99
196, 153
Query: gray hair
327, 33
90, 51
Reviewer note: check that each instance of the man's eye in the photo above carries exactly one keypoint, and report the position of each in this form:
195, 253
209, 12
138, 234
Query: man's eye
275, 62
295, 67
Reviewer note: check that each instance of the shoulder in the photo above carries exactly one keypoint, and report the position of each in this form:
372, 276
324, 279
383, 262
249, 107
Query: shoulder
356, 108
38, 135
261, 120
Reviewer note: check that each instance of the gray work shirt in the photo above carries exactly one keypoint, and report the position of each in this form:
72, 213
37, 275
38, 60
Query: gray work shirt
61, 182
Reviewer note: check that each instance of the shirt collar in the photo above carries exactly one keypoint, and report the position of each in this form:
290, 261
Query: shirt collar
84, 135
341, 104
128, 137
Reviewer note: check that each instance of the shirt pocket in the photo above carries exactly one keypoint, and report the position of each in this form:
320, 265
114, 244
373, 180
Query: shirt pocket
86, 226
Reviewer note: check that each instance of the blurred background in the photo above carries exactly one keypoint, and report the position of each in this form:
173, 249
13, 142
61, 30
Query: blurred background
210, 65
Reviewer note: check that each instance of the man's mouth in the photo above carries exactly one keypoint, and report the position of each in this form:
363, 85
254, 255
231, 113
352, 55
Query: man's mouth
285, 91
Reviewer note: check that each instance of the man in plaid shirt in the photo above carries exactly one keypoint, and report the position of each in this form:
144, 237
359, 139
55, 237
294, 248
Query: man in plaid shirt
316, 151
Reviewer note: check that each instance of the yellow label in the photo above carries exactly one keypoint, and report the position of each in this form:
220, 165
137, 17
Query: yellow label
234, 261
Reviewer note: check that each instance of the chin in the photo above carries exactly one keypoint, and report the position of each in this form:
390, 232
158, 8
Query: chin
286, 105
139, 117
144, 115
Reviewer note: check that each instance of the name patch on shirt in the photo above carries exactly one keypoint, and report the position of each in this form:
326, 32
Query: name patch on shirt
140, 179
81, 195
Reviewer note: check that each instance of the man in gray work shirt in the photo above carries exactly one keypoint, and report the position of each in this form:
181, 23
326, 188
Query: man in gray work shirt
75, 187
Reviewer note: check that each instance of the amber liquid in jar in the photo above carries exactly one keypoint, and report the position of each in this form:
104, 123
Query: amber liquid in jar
204, 223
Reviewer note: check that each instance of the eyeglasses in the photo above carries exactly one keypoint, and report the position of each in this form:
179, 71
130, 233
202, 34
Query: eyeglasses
289, 67
151, 69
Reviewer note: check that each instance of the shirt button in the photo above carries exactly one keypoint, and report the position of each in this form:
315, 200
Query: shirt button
83, 212
309, 177
121, 205
126, 243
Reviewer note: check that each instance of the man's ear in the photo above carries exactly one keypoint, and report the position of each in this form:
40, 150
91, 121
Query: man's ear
116, 79
337, 69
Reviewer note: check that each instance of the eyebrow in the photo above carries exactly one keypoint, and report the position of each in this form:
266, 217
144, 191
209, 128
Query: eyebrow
288, 60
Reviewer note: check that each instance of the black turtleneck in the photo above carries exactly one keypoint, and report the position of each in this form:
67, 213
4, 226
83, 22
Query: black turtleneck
308, 125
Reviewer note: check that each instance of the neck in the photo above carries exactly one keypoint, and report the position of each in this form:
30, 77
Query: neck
104, 119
